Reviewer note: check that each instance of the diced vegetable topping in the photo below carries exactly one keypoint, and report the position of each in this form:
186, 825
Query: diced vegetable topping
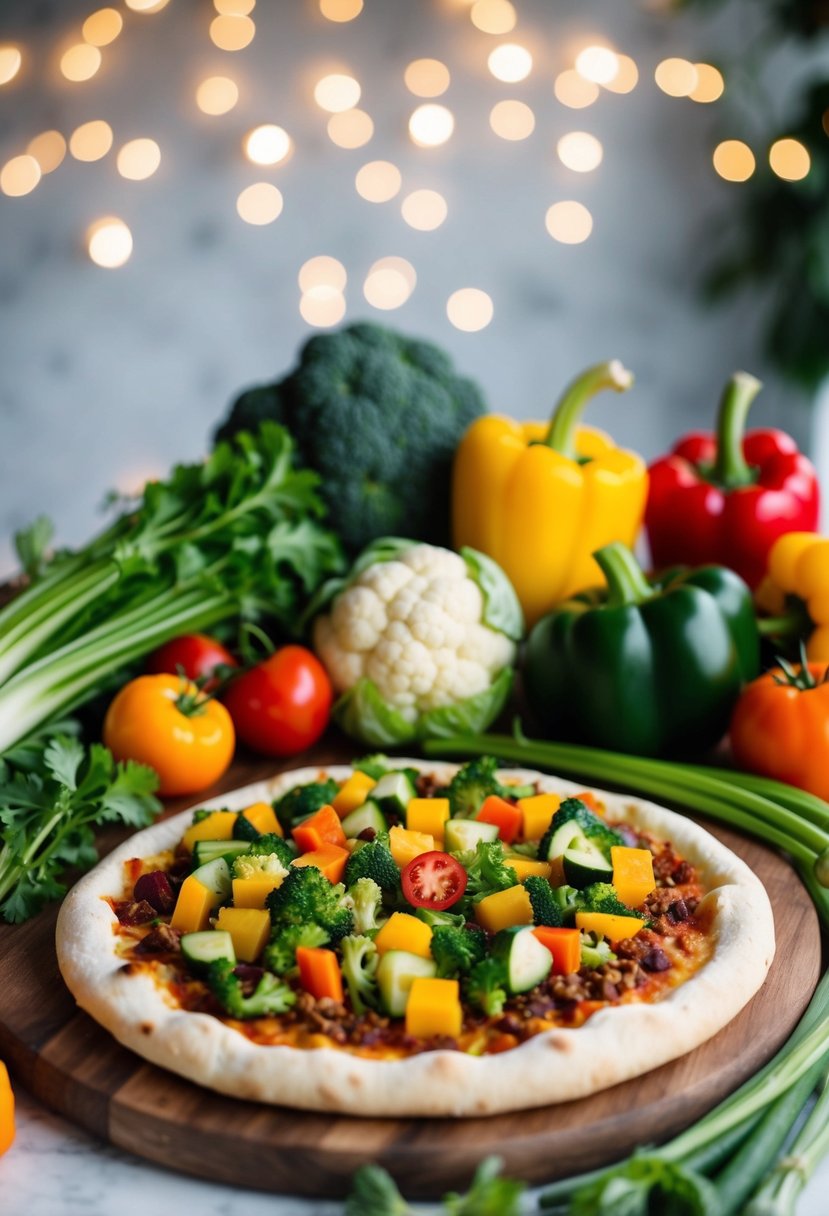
429, 816
632, 874
352, 794
404, 932
433, 1007
504, 908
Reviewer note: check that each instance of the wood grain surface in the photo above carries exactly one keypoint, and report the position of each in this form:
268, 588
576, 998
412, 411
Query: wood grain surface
78, 1070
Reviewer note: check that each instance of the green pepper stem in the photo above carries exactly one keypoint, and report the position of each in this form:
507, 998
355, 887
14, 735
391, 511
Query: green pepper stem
561, 434
730, 467
626, 582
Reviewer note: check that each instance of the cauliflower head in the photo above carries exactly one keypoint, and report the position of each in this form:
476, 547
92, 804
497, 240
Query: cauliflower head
419, 641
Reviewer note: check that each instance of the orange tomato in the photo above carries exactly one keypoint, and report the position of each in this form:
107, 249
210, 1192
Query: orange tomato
166, 722
6, 1110
781, 730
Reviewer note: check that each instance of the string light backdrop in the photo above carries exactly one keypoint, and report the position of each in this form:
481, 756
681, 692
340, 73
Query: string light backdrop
196, 186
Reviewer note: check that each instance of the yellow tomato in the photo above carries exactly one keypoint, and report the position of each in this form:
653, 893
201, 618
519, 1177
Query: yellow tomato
166, 722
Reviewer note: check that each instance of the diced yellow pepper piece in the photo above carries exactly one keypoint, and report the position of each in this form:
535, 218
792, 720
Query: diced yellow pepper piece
428, 815
249, 928
263, 817
433, 1007
632, 874
353, 794
404, 932
538, 813
218, 826
504, 909
193, 906
252, 892
614, 928
525, 866
405, 845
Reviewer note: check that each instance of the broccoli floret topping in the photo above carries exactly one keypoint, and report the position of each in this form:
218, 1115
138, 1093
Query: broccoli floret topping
487, 869
602, 897
199, 816
269, 844
433, 919
573, 810
271, 994
373, 860
474, 783
568, 901
527, 848
456, 951
307, 897
360, 959
365, 901
378, 415
546, 908
486, 987
280, 953
251, 865
302, 801
595, 952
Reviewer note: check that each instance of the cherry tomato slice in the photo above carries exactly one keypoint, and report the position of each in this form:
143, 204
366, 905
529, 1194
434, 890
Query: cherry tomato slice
434, 880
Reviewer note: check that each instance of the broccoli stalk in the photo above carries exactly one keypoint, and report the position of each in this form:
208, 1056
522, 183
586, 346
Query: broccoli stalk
378, 416
474, 782
270, 997
360, 960
485, 987
280, 952
373, 860
546, 908
456, 951
307, 897
364, 900
302, 801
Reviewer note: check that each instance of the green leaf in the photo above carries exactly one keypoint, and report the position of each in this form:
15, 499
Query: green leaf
645, 1184
472, 715
489, 1194
31, 545
363, 714
63, 757
502, 610
373, 1193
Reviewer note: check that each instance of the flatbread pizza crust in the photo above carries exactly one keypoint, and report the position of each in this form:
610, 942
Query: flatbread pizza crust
614, 1045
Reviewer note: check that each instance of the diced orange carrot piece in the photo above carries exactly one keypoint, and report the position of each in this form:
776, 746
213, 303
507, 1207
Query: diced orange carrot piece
329, 858
504, 815
564, 945
590, 801
319, 972
321, 828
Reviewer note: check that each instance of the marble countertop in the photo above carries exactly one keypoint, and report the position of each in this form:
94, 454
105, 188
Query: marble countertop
54, 1169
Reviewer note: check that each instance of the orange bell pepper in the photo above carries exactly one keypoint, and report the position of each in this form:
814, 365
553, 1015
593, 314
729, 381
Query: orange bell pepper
319, 972
564, 945
6, 1110
321, 828
780, 726
504, 815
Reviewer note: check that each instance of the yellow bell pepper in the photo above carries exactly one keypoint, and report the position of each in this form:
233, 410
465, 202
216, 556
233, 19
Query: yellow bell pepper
249, 929
404, 932
434, 1007
539, 499
504, 909
796, 592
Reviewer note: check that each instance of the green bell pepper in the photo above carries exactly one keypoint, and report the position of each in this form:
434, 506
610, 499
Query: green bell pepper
652, 668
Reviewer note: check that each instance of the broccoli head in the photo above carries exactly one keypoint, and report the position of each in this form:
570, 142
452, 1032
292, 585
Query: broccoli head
546, 908
602, 897
487, 869
251, 865
360, 959
373, 860
486, 987
280, 952
474, 782
270, 996
307, 897
365, 899
302, 801
432, 918
378, 416
456, 951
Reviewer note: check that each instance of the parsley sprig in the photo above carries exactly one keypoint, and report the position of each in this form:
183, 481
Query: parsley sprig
52, 793
374, 1193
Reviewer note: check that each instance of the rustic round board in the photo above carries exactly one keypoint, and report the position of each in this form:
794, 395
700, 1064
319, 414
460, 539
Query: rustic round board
76, 1068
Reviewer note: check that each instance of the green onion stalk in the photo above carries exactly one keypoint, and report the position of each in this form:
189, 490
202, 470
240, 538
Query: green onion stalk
715, 1167
236, 537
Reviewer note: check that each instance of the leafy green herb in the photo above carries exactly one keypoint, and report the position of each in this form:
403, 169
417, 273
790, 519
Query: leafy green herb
52, 793
374, 1193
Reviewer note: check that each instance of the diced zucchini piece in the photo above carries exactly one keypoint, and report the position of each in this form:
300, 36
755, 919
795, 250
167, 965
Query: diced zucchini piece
584, 866
215, 876
393, 792
462, 835
395, 972
368, 815
207, 946
526, 961
209, 850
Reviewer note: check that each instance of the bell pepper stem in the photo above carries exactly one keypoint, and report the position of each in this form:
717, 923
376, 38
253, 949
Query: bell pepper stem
561, 434
730, 467
626, 582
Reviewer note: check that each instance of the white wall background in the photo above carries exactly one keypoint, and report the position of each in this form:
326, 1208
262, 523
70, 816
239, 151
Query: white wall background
108, 376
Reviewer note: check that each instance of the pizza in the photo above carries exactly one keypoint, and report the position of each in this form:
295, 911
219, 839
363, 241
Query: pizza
410, 938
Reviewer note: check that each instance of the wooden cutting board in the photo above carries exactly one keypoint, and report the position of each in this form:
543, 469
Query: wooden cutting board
78, 1070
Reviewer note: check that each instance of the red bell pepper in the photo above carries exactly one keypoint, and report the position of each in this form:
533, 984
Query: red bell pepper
726, 498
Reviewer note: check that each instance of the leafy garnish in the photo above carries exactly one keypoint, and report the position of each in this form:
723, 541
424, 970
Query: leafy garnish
374, 1193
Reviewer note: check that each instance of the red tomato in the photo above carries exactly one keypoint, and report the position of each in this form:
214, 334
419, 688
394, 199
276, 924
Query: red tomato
281, 706
433, 880
195, 653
